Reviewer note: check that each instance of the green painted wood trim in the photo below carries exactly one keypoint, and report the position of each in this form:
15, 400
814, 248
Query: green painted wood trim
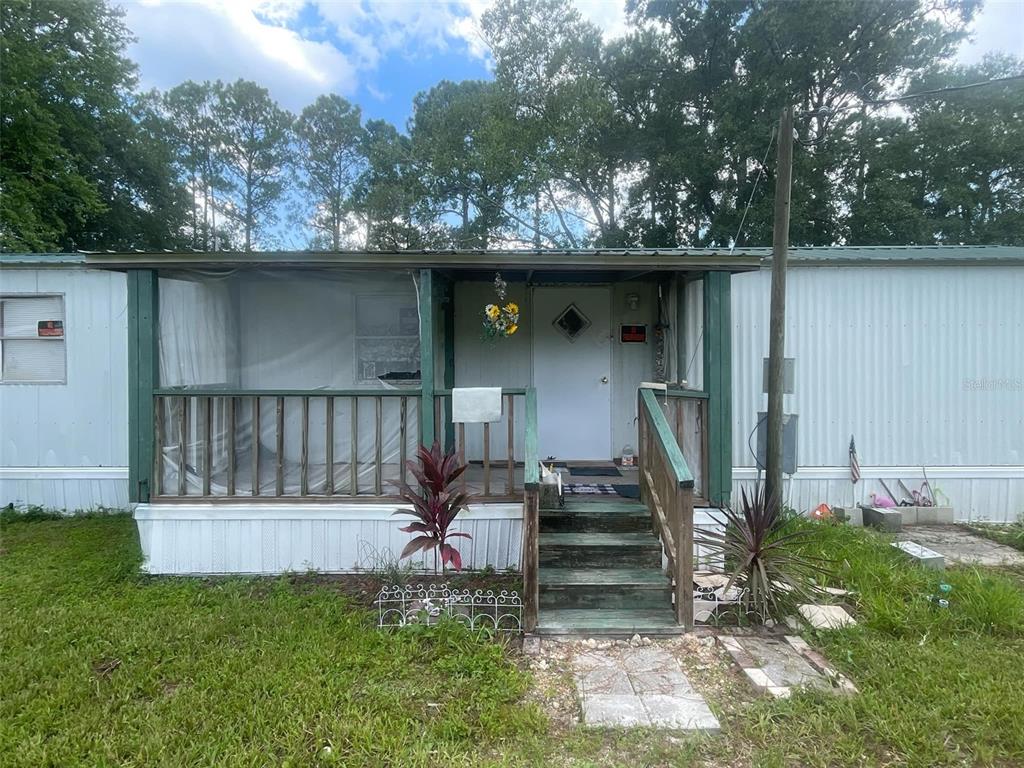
692, 394
531, 465
426, 308
448, 380
718, 384
143, 360
663, 434
411, 392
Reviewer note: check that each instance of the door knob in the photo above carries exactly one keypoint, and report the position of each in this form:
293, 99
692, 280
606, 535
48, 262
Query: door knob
604, 379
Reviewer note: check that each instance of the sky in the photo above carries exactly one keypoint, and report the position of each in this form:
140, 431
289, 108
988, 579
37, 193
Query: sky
376, 54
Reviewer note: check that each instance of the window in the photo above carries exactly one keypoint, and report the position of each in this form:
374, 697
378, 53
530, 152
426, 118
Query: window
32, 339
571, 322
387, 337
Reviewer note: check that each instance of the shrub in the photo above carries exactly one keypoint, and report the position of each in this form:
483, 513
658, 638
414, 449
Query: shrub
435, 505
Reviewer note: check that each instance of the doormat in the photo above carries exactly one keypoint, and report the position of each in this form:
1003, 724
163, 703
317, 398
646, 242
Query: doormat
627, 491
595, 471
588, 489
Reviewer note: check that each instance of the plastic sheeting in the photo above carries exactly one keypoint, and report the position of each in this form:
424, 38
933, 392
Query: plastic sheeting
248, 331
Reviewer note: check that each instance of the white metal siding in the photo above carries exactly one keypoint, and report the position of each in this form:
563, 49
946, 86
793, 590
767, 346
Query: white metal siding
80, 425
334, 538
923, 365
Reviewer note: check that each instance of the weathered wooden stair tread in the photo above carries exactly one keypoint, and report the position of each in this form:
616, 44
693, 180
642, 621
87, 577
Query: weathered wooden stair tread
604, 621
626, 539
604, 507
574, 577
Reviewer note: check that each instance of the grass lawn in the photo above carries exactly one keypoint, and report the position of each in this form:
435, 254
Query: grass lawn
101, 666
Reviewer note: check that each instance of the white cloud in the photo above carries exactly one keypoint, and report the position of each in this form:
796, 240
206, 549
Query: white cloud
229, 39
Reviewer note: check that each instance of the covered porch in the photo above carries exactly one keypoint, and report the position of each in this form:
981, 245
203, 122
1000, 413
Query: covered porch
296, 386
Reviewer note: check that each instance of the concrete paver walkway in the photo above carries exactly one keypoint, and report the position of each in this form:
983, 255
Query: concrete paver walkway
641, 687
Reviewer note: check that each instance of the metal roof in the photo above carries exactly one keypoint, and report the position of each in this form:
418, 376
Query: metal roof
906, 255
594, 260
41, 259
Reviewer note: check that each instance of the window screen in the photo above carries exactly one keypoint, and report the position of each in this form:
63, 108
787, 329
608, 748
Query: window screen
32, 339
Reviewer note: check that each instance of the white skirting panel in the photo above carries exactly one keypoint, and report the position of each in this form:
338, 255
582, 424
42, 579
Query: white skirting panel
72, 489
329, 538
993, 494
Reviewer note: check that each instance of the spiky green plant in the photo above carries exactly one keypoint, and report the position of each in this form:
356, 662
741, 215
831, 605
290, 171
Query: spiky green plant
761, 545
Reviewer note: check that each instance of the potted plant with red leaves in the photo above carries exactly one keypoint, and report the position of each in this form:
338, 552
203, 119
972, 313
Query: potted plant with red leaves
435, 505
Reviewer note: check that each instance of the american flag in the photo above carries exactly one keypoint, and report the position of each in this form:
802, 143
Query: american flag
854, 464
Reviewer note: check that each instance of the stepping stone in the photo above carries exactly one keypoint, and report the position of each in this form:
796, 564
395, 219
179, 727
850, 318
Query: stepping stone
777, 667
826, 616
639, 687
921, 555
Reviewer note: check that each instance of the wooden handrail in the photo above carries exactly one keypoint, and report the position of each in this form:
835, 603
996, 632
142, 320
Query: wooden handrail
214, 391
666, 488
531, 515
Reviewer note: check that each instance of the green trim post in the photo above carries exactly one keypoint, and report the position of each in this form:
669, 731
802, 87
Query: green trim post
718, 384
426, 304
143, 379
448, 308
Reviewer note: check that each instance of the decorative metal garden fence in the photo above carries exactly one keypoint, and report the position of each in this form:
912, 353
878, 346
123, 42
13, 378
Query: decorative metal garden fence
500, 612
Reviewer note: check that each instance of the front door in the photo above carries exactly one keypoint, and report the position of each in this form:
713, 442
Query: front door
571, 370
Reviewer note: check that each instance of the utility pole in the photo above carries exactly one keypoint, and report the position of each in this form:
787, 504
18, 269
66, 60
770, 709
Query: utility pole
777, 320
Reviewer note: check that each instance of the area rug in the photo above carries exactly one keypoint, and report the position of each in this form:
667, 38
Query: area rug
594, 471
627, 490
588, 489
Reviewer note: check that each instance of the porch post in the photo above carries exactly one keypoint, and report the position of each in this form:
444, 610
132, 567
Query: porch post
426, 305
143, 374
718, 384
448, 308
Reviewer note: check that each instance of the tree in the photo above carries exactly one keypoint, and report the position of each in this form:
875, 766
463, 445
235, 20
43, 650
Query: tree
550, 63
196, 141
329, 160
83, 162
458, 133
968, 154
734, 65
387, 192
254, 146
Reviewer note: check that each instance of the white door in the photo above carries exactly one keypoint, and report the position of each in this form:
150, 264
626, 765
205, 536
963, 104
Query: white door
571, 370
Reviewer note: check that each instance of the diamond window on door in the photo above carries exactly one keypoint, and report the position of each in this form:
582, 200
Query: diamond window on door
571, 322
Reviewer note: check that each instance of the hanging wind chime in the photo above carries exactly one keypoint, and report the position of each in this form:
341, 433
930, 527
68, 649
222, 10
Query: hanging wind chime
501, 320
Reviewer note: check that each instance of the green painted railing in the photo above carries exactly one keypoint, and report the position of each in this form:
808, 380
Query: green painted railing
666, 439
666, 488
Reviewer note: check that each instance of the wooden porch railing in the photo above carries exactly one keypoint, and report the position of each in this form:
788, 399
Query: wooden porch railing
531, 516
497, 471
687, 414
222, 444
666, 487
235, 443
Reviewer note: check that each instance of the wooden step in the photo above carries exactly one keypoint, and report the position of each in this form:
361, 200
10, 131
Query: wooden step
607, 623
599, 550
611, 588
609, 520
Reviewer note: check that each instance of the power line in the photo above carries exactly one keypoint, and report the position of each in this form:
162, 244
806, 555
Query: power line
760, 173
918, 95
